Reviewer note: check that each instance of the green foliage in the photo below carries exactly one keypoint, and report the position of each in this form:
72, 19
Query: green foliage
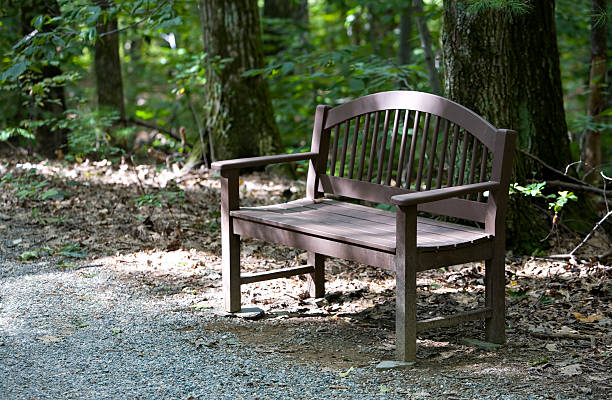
557, 201
516, 7
161, 198
90, 132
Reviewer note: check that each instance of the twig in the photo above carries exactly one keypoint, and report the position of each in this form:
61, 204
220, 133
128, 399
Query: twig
583, 187
152, 126
135, 23
560, 335
590, 233
576, 180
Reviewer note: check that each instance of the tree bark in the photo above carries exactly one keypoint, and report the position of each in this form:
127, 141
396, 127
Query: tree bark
242, 119
597, 84
506, 67
107, 62
49, 141
430, 60
404, 44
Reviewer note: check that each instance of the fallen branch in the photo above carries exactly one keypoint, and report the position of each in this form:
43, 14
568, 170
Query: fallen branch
590, 233
561, 335
156, 127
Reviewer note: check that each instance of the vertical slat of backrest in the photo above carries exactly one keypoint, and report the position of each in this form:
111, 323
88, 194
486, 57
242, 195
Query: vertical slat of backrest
347, 127
473, 158
364, 146
453, 157
320, 145
483, 169
419, 176
432, 153
464, 151
334, 150
354, 148
442, 155
413, 145
373, 147
383, 145
402, 154
392, 149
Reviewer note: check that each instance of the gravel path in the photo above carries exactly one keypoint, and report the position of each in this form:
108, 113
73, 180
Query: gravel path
86, 333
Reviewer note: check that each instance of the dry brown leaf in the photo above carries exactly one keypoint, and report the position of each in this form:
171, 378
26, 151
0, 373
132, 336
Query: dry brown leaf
588, 318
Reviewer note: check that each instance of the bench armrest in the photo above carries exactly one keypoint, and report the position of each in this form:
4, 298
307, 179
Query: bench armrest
411, 199
251, 162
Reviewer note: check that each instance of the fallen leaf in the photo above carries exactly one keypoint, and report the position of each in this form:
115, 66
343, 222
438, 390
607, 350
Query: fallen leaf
48, 339
588, 318
551, 347
346, 373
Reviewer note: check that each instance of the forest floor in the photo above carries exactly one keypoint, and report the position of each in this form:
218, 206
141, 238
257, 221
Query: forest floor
159, 231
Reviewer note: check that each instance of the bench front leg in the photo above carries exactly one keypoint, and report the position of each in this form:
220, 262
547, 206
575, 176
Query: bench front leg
405, 281
230, 242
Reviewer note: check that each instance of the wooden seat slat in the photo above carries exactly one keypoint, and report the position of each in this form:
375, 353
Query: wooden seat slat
353, 223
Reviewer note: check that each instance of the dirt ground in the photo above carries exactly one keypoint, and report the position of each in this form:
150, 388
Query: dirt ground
160, 229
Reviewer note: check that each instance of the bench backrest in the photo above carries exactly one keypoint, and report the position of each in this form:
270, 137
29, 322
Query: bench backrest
398, 142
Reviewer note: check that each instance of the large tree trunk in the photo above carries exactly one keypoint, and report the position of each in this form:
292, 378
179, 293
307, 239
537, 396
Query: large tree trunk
597, 84
107, 62
506, 68
242, 119
50, 141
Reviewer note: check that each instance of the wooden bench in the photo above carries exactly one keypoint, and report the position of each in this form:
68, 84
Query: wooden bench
415, 151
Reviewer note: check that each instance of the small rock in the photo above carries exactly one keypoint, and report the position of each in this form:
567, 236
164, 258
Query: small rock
251, 313
1, 343
388, 364
480, 343
571, 370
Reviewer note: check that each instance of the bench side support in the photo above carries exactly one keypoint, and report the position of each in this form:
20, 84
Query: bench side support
230, 242
405, 281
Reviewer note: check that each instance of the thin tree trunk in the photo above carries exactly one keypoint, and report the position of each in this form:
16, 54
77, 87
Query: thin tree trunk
294, 11
49, 141
430, 60
107, 63
597, 84
506, 68
240, 114
405, 45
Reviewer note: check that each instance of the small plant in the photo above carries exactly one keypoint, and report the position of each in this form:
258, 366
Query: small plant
557, 201
163, 197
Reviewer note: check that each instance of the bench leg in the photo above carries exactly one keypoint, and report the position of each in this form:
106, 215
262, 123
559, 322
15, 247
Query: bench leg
231, 271
405, 313
405, 284
495, 299
316, 279
230, 242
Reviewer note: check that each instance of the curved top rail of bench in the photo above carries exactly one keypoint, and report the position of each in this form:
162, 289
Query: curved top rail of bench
417, 101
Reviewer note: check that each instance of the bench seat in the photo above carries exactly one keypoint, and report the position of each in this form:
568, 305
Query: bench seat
358, 225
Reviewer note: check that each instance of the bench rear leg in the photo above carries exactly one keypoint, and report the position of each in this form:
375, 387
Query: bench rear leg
316, 279
495, 299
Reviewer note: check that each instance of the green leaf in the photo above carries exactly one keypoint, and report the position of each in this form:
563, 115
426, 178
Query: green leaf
356, 84
54, 194
287, 67
14, 71
29, 255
